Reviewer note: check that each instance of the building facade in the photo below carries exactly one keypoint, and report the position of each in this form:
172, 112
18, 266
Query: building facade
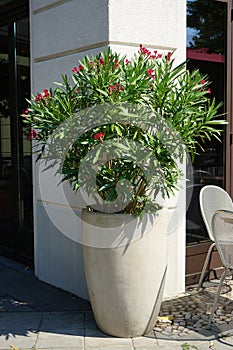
39, 40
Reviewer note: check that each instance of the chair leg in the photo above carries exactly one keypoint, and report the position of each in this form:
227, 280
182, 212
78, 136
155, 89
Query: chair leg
216, 298
205, 265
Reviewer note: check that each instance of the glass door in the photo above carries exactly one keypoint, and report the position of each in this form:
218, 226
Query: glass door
16, 219
207, 50
8, 222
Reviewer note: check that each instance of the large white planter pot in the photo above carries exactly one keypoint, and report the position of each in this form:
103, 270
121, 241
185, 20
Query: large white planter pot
125, 281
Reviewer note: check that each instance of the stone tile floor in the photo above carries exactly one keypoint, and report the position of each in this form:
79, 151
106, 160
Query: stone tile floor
34, 315
189, 312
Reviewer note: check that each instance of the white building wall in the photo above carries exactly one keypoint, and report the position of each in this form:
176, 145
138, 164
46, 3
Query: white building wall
62, 32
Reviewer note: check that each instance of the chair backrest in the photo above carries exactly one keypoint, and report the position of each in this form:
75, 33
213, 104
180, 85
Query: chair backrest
193, 211
222, 229
211, 199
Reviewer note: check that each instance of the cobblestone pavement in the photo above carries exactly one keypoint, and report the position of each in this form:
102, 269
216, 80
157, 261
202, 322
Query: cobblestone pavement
189, 312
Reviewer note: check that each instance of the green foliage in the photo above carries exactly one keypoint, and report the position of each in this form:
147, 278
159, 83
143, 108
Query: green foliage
187, 346
178, 103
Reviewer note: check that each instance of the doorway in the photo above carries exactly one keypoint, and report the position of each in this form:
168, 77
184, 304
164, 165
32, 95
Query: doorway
16, 217
208, 49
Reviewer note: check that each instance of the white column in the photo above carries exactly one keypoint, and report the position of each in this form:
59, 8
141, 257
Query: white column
62, 32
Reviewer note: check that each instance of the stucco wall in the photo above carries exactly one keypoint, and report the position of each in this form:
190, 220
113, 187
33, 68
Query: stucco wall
61, 33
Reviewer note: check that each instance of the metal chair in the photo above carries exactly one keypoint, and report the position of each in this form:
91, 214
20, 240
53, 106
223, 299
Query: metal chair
211, 199
222, 229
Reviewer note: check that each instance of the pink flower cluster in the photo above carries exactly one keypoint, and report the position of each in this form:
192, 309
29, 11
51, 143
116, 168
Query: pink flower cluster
151, 73
77, 69
99, 136
32, 135
115, 64
208, 90
115, 88
45, 94
155, 53
169, 56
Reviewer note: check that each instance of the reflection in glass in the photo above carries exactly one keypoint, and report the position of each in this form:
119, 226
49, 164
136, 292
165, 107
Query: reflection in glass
7, 214
206, 36
206, 26
25, 166
16, 219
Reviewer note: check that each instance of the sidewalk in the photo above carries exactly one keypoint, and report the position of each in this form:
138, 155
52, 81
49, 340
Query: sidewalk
34, 315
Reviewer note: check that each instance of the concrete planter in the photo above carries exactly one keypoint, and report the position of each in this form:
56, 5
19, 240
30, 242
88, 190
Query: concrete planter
125, 277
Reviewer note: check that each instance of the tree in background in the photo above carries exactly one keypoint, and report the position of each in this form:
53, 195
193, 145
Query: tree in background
207, 19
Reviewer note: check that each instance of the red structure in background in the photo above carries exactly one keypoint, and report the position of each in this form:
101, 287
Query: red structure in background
204, 55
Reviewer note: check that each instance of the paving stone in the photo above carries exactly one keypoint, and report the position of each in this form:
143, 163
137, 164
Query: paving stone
223, 344
62, 320
21, 341
191, 310
72, 339
56, 328
144, 342
89, 321
104, 341
154, 347
116, 347
19, 323
167, 334
36, 294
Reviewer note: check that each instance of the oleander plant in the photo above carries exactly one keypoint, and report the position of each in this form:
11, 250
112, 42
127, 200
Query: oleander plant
163, 99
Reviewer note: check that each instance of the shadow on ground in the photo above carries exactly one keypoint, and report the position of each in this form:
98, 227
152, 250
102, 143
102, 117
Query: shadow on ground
28, 305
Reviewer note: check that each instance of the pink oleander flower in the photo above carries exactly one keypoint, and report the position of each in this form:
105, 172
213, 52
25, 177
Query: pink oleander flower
32, 135
127, 61
38, 97
46, 93
115, 64
99, 136
101, 61
169, 56
119, 87
111, 87
26, 111
150, 72
144, 50
116, 88
203, 81
77, 69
